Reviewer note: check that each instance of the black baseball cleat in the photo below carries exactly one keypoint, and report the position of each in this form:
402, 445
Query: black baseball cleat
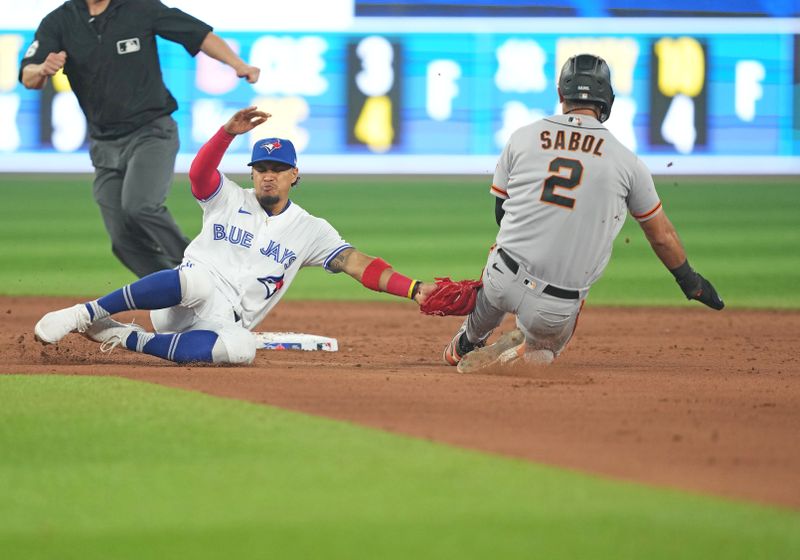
460, 347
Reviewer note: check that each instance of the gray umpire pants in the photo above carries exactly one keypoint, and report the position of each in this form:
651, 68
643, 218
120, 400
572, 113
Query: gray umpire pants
547, 322
133, 175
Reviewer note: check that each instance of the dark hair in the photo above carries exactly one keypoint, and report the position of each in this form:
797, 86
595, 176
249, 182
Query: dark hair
591, 105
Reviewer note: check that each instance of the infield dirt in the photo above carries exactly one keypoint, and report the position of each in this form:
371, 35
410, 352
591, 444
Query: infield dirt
685, 398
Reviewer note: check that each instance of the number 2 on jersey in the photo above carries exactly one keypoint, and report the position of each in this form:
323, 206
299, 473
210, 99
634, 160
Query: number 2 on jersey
562, 181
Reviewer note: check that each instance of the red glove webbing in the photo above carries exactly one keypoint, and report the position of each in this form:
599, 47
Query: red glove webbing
203, 173
451, 298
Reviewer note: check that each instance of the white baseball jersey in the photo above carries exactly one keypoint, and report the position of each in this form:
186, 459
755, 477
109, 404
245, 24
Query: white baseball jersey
253, 256
568, 184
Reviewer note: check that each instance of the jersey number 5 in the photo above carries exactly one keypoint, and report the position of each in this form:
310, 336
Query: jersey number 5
563, 181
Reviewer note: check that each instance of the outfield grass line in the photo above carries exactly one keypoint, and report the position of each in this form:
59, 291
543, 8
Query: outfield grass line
97, 464
734, 231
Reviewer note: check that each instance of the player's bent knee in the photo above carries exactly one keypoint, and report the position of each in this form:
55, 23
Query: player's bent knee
197, 286
235, 345
160, 320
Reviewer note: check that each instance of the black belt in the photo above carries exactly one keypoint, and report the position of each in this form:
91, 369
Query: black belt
513, 266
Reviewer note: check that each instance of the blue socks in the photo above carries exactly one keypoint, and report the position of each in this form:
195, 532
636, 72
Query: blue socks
155, 291
189, 346
159, 290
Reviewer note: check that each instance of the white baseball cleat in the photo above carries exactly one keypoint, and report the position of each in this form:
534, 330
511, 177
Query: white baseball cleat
110, 333
539, 357
57, 324
507, 349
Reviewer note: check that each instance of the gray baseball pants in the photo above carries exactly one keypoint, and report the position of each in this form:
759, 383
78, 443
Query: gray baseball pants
133, 175
547, 321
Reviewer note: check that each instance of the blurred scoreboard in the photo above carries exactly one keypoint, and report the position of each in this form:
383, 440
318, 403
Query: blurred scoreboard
430, 95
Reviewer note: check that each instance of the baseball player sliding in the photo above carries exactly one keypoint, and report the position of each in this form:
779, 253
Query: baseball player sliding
252, 244
563, 186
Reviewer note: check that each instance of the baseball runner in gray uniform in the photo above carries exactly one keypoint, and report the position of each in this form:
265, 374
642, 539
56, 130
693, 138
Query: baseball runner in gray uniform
563, 187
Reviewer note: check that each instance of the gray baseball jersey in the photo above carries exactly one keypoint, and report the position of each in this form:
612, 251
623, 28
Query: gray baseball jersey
568, 184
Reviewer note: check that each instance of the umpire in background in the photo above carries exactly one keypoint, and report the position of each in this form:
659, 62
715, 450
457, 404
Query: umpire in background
108, 51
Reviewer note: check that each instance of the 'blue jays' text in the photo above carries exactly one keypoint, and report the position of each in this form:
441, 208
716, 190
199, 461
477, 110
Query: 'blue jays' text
238, 236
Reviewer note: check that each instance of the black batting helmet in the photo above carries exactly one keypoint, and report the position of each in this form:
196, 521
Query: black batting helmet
586, 77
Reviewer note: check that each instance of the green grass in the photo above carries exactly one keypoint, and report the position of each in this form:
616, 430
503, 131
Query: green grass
742, 234
111, 468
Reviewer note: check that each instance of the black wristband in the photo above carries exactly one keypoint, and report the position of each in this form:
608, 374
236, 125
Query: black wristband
415, 288
690, 282
682, 272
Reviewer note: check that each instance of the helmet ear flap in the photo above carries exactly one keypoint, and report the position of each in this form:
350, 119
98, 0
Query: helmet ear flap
607, 111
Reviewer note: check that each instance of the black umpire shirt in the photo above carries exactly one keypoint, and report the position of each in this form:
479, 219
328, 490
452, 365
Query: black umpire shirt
112, 59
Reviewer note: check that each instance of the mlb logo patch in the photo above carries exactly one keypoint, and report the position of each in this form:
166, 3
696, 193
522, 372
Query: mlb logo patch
32, 49
127, 46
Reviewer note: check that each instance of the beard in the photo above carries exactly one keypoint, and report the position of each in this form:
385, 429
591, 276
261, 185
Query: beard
268, 202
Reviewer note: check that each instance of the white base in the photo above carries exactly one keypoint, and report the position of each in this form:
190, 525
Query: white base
294, 341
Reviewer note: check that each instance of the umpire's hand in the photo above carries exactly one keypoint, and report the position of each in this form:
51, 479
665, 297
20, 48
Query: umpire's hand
250, 73
54, 62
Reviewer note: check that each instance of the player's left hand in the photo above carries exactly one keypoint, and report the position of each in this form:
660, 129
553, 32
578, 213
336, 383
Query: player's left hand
425, 289
697, 287
245, 120
252, 73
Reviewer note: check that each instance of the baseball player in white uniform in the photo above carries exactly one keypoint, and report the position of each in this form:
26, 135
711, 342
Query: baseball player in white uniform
563, 186
252, 244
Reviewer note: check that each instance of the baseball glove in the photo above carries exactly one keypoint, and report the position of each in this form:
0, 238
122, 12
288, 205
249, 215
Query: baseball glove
452, 298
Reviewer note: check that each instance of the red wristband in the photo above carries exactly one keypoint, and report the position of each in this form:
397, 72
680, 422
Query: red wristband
400, 285
372, 274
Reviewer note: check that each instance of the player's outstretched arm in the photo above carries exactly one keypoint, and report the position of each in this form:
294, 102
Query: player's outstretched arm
203, 173
378, 275
668, 247
216, 47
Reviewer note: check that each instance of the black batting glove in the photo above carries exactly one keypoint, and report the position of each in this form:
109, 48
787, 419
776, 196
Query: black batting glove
704, 292
694, 286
